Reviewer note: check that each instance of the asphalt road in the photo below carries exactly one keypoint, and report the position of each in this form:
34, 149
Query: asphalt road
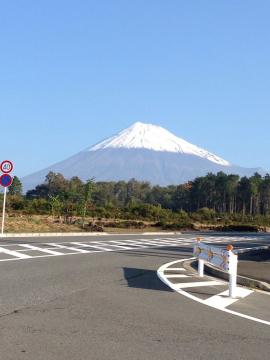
110, 304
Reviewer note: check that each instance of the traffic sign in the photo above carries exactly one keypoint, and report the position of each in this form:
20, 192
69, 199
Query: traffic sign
5, 180
6, 166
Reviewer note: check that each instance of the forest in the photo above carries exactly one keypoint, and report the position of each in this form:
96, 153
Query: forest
213, 199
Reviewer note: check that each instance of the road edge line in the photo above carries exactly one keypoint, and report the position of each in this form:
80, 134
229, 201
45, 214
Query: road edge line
161, 276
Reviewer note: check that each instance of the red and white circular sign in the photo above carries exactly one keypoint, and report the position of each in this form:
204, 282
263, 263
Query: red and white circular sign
6, 166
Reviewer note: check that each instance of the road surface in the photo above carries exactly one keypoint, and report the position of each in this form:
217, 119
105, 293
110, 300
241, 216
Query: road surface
100, 298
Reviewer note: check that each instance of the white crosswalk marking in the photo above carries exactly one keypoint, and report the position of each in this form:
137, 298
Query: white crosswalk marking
92, 246
104, 245
120, 245
70, 248
32, 247
132, 244
14, 253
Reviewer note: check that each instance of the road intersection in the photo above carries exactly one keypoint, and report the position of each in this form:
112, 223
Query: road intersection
108, 303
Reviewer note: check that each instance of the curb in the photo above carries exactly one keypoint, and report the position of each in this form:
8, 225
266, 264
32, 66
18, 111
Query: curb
49, 234
161, 233
15, 235
252, 249
241, 280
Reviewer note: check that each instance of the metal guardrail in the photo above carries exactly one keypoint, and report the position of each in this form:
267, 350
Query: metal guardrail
225, 260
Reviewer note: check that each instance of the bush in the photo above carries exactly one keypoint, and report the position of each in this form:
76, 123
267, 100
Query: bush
204, 214
239, 228
181, 225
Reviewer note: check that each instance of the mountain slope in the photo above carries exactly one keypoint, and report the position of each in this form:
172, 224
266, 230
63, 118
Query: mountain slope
144, 152
152, 137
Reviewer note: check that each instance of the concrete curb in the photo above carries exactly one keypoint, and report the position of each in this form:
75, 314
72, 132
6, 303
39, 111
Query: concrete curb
254, 249
190, 265
50, 234
241, 280
161, 233
15, 235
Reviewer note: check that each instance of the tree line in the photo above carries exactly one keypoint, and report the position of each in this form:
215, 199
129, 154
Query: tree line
219, 193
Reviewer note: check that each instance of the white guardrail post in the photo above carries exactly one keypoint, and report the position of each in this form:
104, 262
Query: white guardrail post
201, 267
233, 260
225, 260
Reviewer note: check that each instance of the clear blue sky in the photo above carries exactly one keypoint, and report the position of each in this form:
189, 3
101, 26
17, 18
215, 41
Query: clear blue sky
74, 72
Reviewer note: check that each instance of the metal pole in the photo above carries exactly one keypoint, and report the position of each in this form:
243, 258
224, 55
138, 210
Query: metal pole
4, 211
201, 267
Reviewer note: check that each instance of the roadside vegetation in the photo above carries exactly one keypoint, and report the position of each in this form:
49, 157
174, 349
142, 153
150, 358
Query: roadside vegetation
221, 202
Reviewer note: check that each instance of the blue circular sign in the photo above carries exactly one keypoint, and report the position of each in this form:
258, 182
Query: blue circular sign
5, 180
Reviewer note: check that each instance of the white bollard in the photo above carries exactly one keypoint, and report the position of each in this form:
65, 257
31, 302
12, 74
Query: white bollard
233, 259
201, 267
232, 286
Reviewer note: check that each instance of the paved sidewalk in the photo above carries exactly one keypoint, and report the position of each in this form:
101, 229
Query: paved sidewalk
255, 265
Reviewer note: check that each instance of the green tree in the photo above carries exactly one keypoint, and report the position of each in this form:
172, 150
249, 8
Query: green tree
16, 187
244, 193
88, 190
56, 205
56, 183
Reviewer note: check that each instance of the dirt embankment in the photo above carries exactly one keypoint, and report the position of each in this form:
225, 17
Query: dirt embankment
42, 223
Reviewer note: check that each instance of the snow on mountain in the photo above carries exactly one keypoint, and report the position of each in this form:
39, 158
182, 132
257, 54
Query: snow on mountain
152, 137
144, 152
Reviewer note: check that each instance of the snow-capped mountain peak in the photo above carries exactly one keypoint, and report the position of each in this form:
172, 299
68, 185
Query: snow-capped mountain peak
156, 138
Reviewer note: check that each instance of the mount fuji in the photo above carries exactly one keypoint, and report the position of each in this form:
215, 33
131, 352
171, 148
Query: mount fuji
145, 152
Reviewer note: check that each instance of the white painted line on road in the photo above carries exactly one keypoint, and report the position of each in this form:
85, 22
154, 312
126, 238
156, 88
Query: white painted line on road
70, 248
93, 246
164, 279
120, 245
14, 253
32, 247
129, 242
223, 300
197, 284
175, 269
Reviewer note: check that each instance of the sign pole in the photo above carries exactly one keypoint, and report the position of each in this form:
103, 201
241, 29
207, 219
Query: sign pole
4, 211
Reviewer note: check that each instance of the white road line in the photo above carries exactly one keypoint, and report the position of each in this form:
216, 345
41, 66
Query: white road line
223, 300
92, 246
131, 243
120, 245
70, 248
150, 243
157, 243
169, 241
137, 241
197, 284
175, 269
14, 253
164, 279
32, 247
176, 276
